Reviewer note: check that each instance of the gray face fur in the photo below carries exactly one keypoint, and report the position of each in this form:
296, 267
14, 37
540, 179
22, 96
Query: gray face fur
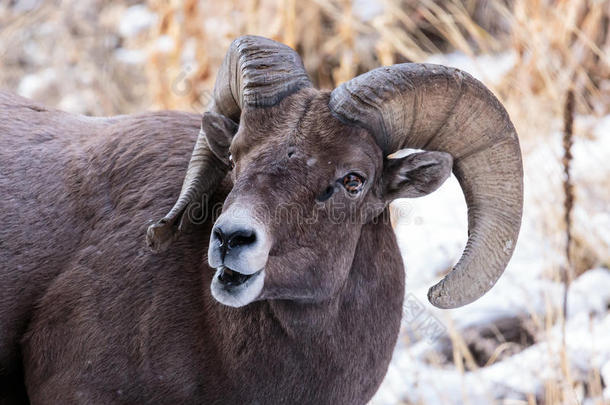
304, 185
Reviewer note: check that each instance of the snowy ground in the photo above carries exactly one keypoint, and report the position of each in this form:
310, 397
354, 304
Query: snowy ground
432, 233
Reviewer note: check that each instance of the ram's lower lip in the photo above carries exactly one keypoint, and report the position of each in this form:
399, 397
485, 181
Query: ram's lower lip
231, 278
236, 289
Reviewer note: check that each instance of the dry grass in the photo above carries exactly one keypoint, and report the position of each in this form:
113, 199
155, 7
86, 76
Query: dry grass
68, 48
556, 41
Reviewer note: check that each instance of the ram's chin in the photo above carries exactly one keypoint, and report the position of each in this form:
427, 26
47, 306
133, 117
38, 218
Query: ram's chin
237, 294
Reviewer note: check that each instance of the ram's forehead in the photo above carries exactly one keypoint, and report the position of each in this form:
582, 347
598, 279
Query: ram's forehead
304, 121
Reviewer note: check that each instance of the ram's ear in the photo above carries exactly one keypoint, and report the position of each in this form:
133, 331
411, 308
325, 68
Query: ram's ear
219, 131
415, 175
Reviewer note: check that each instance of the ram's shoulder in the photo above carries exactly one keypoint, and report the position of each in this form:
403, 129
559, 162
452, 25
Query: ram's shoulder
164, 128
145, 146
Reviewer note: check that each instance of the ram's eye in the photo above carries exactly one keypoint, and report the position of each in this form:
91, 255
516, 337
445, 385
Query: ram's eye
353, 183
232, 162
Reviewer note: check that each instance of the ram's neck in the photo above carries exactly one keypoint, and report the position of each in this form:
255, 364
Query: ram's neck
350, 337
375, 284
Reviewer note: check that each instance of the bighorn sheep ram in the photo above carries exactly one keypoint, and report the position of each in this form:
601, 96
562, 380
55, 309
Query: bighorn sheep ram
259, 305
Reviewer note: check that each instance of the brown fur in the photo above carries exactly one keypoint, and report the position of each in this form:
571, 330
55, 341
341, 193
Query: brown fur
89, 315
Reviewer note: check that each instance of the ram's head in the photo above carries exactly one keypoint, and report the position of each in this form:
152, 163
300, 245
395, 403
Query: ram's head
311, 168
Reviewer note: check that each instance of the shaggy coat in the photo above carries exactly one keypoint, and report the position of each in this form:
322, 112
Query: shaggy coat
89, 315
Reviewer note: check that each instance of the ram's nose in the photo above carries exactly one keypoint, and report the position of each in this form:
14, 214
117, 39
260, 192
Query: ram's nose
238, 242
232, 240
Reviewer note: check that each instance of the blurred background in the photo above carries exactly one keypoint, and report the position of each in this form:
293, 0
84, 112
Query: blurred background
542, 335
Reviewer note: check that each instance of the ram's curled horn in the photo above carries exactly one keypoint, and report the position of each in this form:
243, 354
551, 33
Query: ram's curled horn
256, 72
432, 107
207, 167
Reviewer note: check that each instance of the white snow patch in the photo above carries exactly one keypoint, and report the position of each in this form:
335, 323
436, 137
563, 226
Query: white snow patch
32, 84
164, 44
366, 10
427, 251
130, 56
136, 19
22, 6
489, 69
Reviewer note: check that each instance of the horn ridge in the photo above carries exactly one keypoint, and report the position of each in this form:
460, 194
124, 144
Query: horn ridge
434, 107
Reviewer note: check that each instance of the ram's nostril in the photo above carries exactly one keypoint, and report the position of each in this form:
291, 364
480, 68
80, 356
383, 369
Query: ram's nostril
219, 236
241, 238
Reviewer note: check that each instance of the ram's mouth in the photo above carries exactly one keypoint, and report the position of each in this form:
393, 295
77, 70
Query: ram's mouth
235, 289
231, 278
